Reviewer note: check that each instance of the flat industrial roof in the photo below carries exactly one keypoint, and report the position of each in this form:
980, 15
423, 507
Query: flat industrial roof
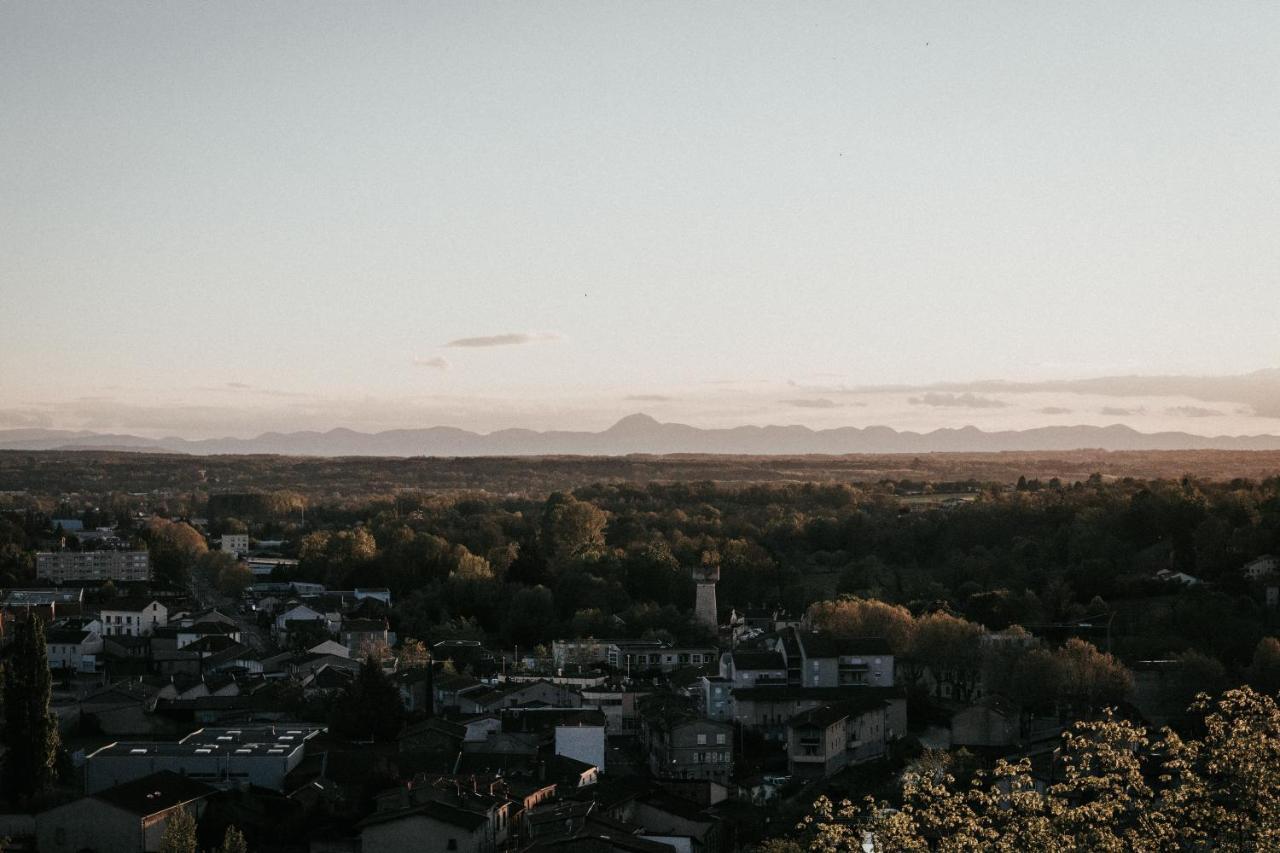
251, 741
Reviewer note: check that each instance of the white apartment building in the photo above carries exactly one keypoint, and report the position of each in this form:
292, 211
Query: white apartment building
235, 543
134, 617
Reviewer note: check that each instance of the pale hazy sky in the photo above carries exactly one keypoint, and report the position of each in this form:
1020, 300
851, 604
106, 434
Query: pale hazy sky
223, 217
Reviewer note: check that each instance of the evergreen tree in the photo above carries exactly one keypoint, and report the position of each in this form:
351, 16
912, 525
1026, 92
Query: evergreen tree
31, 734
370, 707
179, 833
233, 842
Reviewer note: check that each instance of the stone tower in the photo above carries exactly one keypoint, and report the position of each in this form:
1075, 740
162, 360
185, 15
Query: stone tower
704, 605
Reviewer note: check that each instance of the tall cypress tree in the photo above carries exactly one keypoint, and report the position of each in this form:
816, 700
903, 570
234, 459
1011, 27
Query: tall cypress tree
30, 727
370, 707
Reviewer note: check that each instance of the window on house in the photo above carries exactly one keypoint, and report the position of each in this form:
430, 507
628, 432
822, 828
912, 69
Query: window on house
702, 740
720, 740
452, 845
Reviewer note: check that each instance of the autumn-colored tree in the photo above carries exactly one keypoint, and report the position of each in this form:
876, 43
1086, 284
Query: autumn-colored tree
571, 528
234, 579
413, 653
174, 548
471, 567
223, 572
952, 649
1091, 679
866, 617
332, 556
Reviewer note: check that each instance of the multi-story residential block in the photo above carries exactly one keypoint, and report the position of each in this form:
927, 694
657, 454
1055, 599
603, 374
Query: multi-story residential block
117, 566
679, 744
820, 660
824, 740
740, 669
769, 709
753, 668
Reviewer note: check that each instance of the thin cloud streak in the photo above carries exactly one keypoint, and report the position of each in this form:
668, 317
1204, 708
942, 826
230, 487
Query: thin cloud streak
504, 340
435, 362
959, 401
1192, 412
815, 403
1260, 390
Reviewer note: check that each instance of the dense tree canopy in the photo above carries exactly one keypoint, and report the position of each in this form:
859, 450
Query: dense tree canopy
1059, 558
174, 547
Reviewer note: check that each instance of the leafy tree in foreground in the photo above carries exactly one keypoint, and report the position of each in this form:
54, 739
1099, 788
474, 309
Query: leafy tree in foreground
31, 736
1113, 788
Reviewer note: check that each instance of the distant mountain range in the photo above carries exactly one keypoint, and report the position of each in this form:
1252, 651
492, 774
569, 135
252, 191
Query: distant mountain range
642, 434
